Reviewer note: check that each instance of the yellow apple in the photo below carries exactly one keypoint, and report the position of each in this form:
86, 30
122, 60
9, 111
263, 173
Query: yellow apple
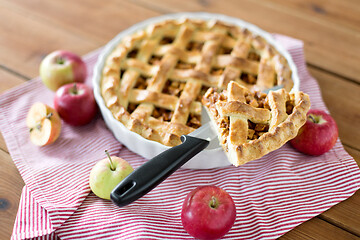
62, 67
44, 124
107, 174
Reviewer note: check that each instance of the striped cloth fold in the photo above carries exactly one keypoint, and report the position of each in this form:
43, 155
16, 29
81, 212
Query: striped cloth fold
273, 194
57, 175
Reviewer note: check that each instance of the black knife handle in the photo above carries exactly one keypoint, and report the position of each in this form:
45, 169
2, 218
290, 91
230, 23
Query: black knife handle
156, 170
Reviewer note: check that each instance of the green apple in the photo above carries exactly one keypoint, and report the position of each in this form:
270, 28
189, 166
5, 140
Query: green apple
62, 67
107, 174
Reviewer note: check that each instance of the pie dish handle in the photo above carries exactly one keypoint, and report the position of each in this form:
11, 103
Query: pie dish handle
156, 170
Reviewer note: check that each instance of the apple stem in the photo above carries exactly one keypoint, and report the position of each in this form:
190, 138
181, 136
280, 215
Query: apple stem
213, 202
74, 90
60, 60
311, 117
49, 115
111, 163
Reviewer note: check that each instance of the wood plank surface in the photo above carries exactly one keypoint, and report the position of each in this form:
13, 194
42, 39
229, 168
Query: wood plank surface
346, 214
32, 40
327, 45
312, 229
77, 26
11, 185
344, 13
8, 80
97, 21
329, 29
338, 93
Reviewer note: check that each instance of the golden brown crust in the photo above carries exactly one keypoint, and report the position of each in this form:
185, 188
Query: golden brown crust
282, 125
219, 53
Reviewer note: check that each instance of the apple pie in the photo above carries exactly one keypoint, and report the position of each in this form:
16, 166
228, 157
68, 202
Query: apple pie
153, 81
251, 124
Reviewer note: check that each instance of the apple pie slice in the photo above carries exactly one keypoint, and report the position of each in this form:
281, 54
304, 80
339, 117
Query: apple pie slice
252, 124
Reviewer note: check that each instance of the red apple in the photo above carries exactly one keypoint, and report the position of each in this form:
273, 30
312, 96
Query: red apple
75, 103
44, 124
208, 212
318, 135
62, 67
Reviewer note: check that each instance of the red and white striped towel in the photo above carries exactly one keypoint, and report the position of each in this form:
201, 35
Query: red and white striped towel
272, 195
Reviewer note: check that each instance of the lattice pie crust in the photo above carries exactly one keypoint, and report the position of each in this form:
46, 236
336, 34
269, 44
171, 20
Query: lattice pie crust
252, 124
154, 80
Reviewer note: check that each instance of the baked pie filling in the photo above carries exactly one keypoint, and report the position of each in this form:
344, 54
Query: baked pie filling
154, 80
252, 124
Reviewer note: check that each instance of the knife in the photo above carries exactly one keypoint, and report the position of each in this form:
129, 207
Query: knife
156, 170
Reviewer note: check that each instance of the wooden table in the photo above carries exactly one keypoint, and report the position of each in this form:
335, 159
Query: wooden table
30, 29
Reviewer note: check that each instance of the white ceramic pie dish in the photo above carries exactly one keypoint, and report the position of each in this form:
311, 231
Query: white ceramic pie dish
208, 158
